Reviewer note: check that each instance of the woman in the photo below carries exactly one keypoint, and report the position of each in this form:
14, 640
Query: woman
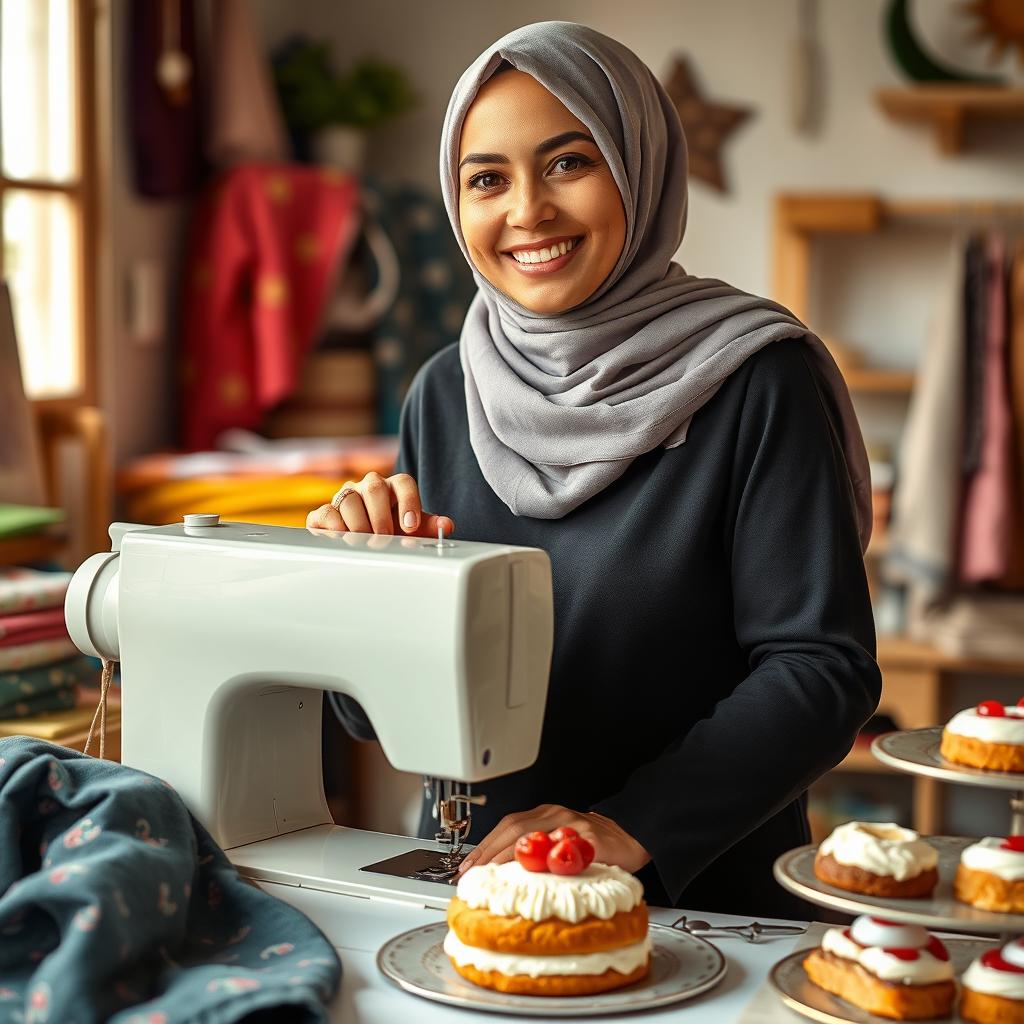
687, 455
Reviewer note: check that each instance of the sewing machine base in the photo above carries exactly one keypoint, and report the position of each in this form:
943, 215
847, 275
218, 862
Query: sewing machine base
369, 865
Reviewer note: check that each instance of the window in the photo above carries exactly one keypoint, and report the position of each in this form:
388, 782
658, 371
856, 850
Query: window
47, 189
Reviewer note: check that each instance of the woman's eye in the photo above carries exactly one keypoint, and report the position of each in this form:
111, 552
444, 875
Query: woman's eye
484, 182
573, 162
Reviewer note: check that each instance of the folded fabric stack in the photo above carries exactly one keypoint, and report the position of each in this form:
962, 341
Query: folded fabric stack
40, 667
985, 626
273, 482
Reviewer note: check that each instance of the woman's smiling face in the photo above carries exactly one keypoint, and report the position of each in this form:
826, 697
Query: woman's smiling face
532, 180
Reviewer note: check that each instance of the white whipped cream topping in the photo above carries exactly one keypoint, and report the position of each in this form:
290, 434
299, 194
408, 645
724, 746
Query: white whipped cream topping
873, 931
625, 959
925, 970
883, 849
990, 982
987, 855
985, 727
508, 890
836, 941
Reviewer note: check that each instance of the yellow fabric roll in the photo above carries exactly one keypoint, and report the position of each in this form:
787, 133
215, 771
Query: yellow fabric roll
231, 497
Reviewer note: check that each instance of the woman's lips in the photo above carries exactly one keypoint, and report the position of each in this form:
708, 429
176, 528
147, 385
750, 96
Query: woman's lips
530, 269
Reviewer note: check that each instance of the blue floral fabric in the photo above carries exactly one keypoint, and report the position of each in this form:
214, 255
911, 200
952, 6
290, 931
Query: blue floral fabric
115, 904
435, 291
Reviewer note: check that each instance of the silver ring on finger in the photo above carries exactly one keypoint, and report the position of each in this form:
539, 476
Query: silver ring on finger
341, 495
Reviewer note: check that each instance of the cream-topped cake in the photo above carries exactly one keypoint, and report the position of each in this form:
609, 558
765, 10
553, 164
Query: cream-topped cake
990, 735
993, 986
878, 859
991, 875
894, 970
549, 932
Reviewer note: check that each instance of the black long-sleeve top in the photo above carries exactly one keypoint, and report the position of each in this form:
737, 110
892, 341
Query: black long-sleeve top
714, 644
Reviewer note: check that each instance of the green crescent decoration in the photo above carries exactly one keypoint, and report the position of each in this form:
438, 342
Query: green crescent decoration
912, 58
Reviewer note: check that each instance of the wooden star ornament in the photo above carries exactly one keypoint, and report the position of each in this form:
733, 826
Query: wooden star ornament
706, 124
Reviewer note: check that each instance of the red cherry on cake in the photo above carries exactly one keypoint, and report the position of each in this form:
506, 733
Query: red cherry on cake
586, 849
1014, 843
532, 851
991, 709
565, 858
563, 833
1020, 703
937, 949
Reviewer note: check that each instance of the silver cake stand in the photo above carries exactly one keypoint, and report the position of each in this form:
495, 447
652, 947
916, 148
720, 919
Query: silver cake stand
915, 751
799, 993
795, 871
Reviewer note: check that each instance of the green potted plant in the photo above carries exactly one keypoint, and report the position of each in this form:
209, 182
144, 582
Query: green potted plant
330, 113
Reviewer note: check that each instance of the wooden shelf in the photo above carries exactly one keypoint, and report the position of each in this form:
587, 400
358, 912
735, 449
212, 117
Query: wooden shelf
901, 652
860, 759
868, 381
947, 108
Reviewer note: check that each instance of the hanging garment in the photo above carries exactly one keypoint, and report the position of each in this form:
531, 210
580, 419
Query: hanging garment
1015, 362
434, 291
267, 244
245, 119
164, 122
986, 529
926, 501
975, 307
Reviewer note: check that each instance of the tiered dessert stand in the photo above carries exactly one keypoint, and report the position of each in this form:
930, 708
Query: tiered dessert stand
915, 751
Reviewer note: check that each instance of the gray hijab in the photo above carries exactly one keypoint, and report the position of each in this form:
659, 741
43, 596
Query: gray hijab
560, 405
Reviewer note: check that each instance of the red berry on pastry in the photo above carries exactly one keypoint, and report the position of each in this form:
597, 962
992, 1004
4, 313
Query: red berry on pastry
903, 954
1020, 703
1014, 843
563, 833
532, 851
586, 849
565, 858
937, 949
993, 958
991, 709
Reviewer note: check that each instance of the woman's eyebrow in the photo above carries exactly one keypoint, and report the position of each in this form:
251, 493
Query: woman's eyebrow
545, 147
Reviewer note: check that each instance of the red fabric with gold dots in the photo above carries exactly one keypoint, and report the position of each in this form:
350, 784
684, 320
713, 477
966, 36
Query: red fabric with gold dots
266, 242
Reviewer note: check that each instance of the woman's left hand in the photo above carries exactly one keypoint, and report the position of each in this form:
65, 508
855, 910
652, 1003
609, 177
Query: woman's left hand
612, 845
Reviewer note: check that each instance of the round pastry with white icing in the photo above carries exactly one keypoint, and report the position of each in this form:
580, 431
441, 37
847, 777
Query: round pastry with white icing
878, 859
990, 875
993, 986
989, 736
540, 933
894, 970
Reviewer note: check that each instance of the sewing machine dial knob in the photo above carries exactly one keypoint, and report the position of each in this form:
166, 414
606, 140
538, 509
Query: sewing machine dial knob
202, 519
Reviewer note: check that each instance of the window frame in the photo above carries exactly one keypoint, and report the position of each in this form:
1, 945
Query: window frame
82, 192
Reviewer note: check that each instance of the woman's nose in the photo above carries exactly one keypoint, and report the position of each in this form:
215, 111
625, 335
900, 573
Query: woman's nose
529, 207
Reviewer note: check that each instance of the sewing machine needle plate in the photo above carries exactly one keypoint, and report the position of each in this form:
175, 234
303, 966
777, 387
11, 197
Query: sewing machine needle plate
682, 966
799, 993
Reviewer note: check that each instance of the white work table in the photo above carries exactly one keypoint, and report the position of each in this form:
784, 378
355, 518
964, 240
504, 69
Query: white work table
358, 928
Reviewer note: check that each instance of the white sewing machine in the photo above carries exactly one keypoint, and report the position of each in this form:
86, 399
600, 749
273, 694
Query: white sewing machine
226, 634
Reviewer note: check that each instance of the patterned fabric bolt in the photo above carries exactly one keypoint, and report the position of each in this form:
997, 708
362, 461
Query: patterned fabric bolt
117, 905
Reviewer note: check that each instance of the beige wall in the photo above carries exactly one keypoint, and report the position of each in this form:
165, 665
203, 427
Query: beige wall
740, 49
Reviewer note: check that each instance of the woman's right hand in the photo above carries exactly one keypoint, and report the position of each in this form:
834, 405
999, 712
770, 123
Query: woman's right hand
383, 505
